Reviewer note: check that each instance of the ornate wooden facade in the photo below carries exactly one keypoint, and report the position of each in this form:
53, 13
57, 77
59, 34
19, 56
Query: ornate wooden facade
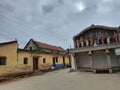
96, 35
95, 48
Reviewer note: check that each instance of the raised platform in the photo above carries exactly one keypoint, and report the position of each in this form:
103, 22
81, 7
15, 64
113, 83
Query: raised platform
96, 69
94, 48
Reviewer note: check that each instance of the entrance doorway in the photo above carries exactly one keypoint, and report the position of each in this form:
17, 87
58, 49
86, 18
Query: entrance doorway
35, 63
64, 61
54, 61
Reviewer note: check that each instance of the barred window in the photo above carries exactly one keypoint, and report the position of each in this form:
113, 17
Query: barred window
57, 59
3, 60
25, 60
44, 60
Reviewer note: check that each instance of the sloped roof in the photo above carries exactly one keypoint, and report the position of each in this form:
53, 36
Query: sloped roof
23, 50
47, 46
96, 26
10, 42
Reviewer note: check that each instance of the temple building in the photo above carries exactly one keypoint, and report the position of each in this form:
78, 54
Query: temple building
96, 48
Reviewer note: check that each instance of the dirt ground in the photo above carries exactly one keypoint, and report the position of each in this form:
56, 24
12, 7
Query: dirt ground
62, 80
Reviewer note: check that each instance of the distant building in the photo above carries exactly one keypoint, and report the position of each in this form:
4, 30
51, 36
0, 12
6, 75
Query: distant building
96, 48
49, 55
43, 47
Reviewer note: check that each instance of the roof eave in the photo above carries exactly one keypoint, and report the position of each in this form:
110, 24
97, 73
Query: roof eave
95, 26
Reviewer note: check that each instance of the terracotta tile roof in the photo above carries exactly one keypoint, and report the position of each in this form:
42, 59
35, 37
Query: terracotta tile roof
47, 46
96, 26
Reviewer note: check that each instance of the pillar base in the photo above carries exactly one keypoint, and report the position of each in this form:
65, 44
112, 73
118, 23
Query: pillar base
94, 70
110, 71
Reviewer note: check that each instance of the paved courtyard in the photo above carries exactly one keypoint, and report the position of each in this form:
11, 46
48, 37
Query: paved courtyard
62, 80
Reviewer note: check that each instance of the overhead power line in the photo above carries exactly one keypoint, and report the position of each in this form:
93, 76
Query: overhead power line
27, 25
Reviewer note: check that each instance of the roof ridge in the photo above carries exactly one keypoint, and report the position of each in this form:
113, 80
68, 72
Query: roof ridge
104, 26
15, 41
95, 26
48, 46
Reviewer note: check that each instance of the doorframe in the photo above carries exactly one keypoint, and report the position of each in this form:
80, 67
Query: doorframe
35, 63
54, 61
64, 63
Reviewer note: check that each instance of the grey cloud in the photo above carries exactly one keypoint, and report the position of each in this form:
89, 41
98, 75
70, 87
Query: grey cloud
6, 7
61, 2
47, 8
53, 21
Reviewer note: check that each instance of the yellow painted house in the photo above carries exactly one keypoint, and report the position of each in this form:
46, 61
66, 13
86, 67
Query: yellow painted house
35, 56
8, 58
46, 56
25, 62
12, 60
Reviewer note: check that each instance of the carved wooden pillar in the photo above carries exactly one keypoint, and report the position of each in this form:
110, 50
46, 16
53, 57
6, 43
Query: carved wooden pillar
119, 36
77, 42
116, 37
82, 41
108, 40
75, 45
87, 42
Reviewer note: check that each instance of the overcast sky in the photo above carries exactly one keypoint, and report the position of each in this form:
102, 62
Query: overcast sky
54, 21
